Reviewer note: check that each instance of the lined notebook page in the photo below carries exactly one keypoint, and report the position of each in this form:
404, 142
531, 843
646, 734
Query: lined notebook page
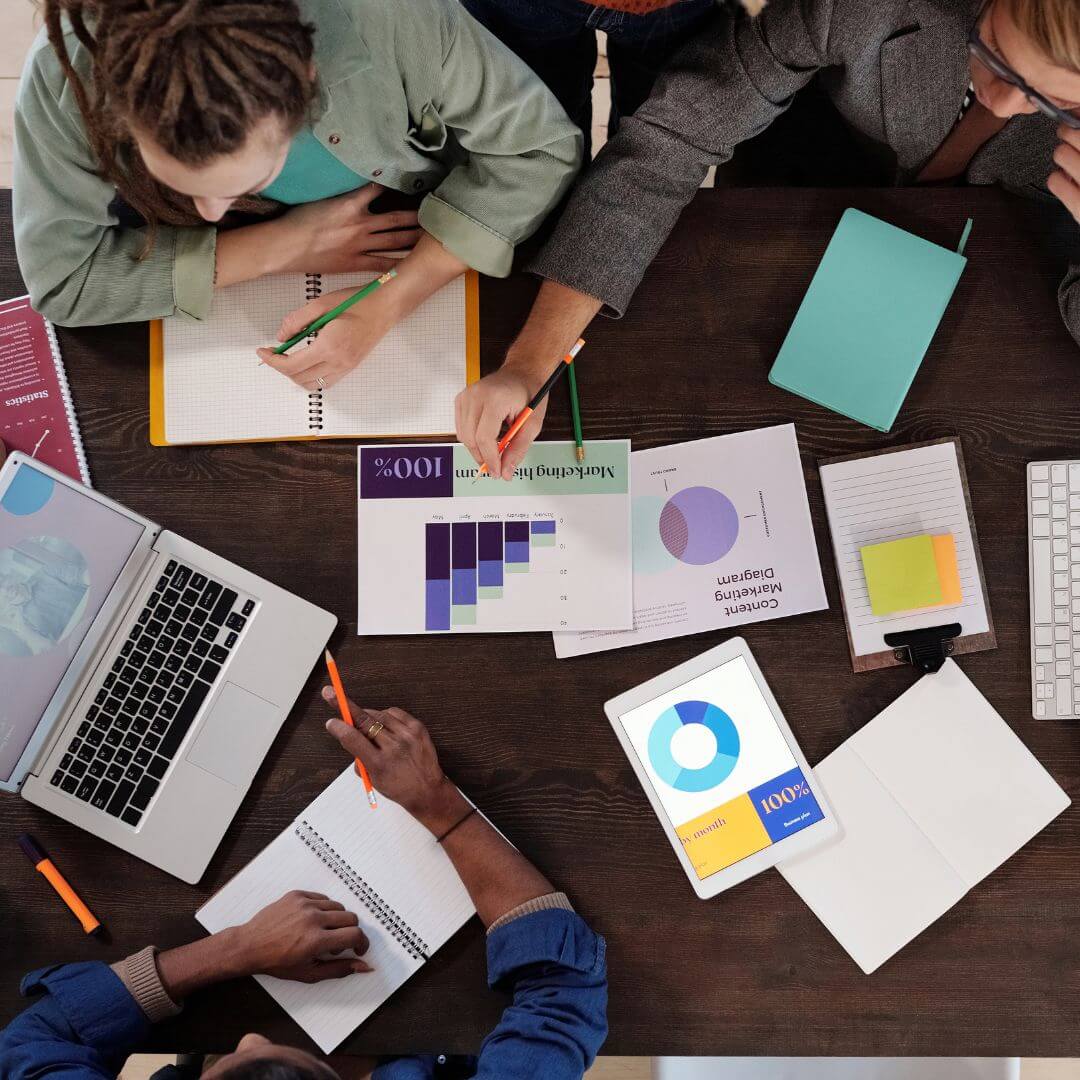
216, 391
331, 1010
889, 497
395, 856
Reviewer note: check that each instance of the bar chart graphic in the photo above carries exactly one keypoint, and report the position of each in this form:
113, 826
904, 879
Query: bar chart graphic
440, 550
467, 563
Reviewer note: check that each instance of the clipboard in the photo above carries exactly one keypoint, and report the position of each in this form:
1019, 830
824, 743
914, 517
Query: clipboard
915, 495
157, 379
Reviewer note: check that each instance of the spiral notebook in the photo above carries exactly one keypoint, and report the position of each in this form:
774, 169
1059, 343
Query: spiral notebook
207, 386
36, 413
381, 864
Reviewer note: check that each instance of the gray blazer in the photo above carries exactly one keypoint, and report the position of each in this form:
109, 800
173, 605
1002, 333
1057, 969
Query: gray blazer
897, 71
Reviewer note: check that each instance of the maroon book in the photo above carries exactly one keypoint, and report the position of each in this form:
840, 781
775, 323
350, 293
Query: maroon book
36, 414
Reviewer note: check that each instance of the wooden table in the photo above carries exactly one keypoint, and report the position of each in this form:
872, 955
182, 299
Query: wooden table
751, 972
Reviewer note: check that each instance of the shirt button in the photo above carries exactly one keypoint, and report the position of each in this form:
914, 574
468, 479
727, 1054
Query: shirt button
418, 185
335, 139
441, 1059
376, 172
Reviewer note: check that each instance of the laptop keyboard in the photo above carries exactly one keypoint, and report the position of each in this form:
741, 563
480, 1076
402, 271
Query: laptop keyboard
147, 701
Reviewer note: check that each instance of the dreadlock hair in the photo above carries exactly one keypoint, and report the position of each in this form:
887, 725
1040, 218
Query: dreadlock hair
195, 76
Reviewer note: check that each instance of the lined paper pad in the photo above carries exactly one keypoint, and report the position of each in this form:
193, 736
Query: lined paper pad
888, 497
216, 391
397, 857
932, 795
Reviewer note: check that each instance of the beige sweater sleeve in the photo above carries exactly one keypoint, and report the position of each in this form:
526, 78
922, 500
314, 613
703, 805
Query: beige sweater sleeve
139, 973
551, 901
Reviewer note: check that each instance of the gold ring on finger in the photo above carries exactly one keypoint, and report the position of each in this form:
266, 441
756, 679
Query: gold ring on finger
374, 730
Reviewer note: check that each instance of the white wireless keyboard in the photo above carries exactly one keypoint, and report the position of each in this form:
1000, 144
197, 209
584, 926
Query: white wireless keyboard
1053, 494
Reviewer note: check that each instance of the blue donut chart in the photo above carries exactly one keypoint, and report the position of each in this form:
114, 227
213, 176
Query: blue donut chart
669, 723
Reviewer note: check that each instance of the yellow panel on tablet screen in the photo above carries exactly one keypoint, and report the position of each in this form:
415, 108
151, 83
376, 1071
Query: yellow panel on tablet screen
723, 836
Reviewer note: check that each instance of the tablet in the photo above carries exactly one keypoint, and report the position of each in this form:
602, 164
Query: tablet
721, 768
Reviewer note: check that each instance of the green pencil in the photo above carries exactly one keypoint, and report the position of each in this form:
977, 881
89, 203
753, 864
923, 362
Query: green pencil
333, 313
575, 412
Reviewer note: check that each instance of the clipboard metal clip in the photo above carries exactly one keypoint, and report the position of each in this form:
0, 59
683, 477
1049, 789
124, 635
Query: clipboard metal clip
925, 649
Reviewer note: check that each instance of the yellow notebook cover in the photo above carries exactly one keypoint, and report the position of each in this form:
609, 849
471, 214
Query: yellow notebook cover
255, 306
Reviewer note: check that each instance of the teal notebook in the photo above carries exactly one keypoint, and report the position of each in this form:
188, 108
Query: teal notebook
867, 319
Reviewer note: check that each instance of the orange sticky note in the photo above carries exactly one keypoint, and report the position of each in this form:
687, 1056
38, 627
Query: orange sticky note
948, 571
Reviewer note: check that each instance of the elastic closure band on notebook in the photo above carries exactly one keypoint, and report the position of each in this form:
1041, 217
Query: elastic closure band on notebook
964, 236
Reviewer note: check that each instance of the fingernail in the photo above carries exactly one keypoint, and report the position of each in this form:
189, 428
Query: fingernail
360, 967
328, 692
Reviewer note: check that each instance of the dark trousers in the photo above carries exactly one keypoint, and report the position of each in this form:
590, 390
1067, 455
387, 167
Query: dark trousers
557, 39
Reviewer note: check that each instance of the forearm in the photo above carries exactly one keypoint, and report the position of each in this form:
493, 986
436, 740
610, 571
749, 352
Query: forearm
497, 876
558, 318
422, 273
250, 252
202, 963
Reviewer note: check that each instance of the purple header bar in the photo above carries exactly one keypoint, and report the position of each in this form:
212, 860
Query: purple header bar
406, 472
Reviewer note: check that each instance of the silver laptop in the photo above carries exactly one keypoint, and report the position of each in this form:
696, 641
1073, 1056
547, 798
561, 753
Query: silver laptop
142, 678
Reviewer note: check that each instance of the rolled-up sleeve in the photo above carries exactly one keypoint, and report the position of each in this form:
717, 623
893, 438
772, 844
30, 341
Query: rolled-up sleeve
556, 969
80, 266
725, 86
84, 1024
522, 150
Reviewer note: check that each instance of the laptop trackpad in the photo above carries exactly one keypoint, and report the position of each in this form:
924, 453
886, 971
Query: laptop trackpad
235, 736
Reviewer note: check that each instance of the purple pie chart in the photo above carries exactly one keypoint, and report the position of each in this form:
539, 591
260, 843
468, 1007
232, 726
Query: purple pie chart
699, 525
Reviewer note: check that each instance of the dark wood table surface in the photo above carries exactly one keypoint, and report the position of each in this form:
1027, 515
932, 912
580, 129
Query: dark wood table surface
752, 971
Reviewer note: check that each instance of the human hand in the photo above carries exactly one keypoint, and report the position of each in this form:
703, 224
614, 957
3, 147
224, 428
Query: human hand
1064, 181
340, 345
294, 937
342, 235
481, 410
401, 761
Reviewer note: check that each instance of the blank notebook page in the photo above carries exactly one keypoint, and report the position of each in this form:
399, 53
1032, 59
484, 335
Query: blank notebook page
216, 391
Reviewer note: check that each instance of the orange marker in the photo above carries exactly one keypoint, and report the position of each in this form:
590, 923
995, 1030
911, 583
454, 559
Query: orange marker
343, 705
533, 405
44, 866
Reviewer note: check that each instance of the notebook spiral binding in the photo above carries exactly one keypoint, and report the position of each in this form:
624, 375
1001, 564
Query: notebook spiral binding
69, 408
313, 290
408, 938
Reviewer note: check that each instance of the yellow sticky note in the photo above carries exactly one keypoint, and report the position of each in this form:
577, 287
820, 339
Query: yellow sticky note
902, 575
948, 571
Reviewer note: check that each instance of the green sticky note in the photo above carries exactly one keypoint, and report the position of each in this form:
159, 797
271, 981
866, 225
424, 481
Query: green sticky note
902, 575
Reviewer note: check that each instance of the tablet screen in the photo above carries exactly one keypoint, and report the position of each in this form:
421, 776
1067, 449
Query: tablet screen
729, 784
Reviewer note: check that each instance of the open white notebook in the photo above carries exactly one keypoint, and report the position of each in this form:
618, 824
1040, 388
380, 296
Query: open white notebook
381, 864
207, 386
933, 795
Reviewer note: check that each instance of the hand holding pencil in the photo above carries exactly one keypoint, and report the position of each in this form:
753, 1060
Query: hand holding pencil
401, 759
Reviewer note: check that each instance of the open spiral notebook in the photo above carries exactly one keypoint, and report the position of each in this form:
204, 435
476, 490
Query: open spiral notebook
207, 386
384, 866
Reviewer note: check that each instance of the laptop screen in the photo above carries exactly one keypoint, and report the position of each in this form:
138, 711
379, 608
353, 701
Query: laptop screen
60, 554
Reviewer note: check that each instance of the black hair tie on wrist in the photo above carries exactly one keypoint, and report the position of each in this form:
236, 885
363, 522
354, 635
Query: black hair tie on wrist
460, 821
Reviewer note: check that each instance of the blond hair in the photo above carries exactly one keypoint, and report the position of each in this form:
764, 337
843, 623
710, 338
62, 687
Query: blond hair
1053, 26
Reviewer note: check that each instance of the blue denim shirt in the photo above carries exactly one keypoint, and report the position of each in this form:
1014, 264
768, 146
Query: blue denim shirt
85, 1023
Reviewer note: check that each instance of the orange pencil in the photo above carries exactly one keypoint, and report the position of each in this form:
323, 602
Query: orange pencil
343, 705
533, 405
44, 866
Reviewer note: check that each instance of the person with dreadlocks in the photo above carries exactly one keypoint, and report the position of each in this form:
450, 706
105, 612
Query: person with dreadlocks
145, 128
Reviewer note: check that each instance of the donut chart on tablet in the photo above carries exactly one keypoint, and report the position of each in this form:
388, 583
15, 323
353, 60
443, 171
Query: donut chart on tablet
670, 723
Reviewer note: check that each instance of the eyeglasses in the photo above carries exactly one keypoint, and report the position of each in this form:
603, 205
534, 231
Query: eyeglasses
990, 60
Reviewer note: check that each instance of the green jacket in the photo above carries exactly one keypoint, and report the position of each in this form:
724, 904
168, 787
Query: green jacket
414, 93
